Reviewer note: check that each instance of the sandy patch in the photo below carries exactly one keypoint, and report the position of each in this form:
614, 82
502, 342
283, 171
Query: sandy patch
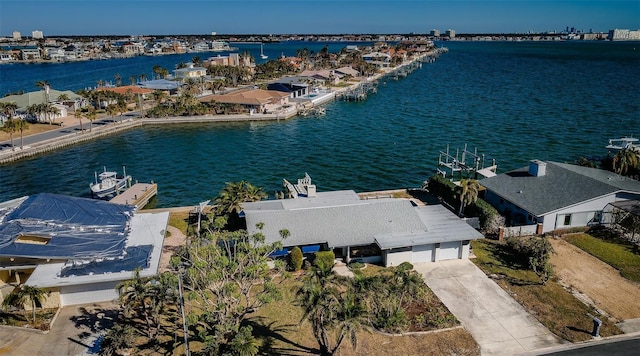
597, 281
171, 245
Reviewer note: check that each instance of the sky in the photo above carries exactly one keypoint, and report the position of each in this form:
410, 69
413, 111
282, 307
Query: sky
164, 17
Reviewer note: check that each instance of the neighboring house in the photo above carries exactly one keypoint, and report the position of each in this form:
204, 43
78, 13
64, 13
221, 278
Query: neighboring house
344, 71
294, 86
321, 76
78, 249
189, 72
233, 59
378, 59
129, 89
254, 100
161, 84
557, 195
38, 97
386, 230
30, 53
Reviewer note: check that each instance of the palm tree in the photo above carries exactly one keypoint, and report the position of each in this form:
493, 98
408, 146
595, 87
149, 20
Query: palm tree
50, 111
118, 79
91, 115
22, 125
625, 160
119, 337
79, 115
24, 295
469, 189
45, 89
234, 194
35, 110
10, 128
63, 97
112, 109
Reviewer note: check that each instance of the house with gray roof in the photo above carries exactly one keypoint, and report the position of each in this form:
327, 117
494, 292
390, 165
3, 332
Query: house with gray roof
387, 230
557, 195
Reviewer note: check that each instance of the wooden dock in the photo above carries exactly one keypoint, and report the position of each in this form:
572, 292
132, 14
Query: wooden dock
139, 195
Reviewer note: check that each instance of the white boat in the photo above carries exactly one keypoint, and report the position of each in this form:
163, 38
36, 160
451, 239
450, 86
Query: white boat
624, 143
262, 55
108, 183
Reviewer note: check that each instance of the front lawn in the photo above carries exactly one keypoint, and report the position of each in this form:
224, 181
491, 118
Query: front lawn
619, 254
551, 304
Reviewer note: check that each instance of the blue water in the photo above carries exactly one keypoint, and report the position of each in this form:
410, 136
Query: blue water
513, 101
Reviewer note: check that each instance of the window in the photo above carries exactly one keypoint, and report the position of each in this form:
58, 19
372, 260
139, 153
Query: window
567, 220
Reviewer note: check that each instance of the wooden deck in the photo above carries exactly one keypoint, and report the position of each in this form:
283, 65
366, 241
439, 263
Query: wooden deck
139, 195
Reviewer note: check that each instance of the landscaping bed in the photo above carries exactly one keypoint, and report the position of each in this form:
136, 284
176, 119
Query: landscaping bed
23, 319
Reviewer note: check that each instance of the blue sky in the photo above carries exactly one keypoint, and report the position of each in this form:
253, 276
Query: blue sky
98, 17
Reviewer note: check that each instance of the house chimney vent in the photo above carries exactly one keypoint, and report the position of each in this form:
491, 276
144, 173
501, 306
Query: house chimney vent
537, 168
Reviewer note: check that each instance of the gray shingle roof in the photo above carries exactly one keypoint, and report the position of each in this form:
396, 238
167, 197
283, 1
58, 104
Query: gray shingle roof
342, 219
563, 185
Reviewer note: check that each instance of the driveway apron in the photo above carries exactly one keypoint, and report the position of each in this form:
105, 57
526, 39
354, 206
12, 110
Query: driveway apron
498, 323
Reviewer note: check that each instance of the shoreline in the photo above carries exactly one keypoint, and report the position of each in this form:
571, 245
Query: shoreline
72, 138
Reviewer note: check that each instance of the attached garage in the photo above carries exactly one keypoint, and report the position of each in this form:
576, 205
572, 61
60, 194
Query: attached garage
449, 250
422, 253
88, 293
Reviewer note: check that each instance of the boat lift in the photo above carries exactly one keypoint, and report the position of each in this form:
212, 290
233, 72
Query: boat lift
457, 165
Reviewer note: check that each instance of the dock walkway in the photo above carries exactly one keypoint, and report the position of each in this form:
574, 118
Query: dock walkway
138, 194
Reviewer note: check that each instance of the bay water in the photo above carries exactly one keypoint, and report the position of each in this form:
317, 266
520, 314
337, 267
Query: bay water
514, 101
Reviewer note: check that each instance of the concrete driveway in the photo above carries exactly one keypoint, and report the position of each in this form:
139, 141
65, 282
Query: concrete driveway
497, 322
74, 332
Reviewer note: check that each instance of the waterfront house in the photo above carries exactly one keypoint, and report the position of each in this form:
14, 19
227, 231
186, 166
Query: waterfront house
189, 72
233, 59
379, 59
75, 248
294, 86
29, 53
385, 230
38, 97
321, 76
557, 195
347, 71
251, 100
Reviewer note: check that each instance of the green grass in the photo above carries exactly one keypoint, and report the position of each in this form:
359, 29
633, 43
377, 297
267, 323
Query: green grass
551, 304
618, 253
179, 221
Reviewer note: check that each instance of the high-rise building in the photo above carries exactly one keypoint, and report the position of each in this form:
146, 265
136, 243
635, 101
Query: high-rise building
435, 33
37, 34
17, 36
451, 33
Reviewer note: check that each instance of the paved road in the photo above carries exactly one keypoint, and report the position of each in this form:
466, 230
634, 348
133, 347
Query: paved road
497, 322
625, 346
60, 131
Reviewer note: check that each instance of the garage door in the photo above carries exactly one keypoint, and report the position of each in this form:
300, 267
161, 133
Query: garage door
449, 250
422, 253
88, 293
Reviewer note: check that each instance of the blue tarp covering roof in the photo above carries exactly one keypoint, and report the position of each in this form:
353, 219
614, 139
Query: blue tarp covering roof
61, 227
135, 257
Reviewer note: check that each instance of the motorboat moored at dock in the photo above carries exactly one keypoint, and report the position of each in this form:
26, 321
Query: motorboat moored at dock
108, 183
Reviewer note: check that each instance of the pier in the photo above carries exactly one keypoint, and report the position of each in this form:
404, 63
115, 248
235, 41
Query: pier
138, 194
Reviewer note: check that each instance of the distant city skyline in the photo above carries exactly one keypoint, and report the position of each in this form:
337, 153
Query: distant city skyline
166, 17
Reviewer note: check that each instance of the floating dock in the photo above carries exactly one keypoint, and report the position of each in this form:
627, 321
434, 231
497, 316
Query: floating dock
138, 194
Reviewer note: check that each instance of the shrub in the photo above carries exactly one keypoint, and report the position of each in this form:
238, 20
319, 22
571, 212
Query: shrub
324, 259
295, 259
404, 266
356, 265
535, 252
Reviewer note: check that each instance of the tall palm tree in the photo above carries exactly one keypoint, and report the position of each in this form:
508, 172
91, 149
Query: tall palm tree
24, 295
22, 125
625, 160
50, 112
118, 79
10, 128
79, 115
469, 189
45, 89
91, 115
112, 109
